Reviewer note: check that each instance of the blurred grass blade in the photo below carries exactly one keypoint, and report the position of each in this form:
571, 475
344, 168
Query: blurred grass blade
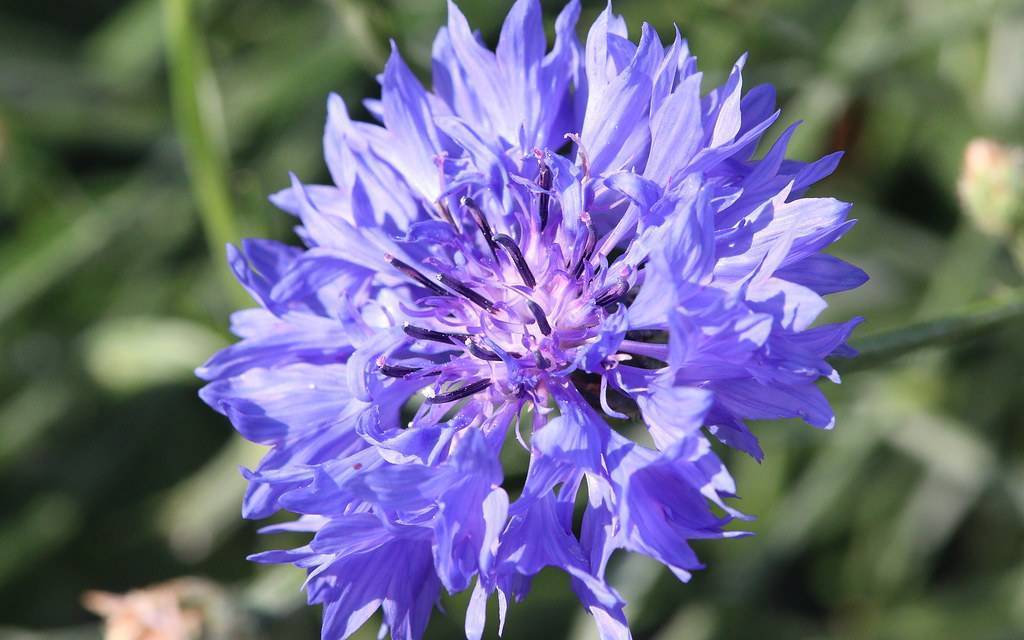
275, 591
693, 622
127, 46
129, 354
199, 118
28, 415
87, 632
971, 320
29, 268
808, 503
31, 535
192, 517
943, 496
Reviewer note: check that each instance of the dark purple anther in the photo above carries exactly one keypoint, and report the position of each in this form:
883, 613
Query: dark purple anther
419, 333
481, 352
395, 370
415, 275
460, 393
538, 314
481, 222
544, 181
611, 293
465, 292
514, 254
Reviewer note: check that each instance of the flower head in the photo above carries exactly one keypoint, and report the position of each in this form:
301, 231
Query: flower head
545, 243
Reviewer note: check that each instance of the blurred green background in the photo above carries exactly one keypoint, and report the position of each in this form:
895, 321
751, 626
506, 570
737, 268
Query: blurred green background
137, 137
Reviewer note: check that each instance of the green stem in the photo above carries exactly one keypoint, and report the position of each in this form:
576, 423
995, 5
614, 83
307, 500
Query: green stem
199, 120
971, 320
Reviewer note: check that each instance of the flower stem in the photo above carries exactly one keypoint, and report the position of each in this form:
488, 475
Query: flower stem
971, 320
199, 120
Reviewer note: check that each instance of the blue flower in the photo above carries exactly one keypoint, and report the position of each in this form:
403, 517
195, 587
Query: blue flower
546, 241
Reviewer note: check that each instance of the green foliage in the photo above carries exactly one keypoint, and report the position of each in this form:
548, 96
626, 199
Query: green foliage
136, 138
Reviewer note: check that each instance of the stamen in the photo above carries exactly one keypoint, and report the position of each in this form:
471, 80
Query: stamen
542, 362
394, 370
415, 275
584, 156
481, 222
605, 406
611, 293
465, 292
481, 352
544, 181
442, 209
439, 160
514, 254
538, 314
457, 394
588, 246
622, 228
420, 333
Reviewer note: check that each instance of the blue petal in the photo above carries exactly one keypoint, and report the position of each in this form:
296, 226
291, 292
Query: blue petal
676, 131
673, 413
519, 54
299, 338
408, 117
753, 400
577, 436
482, 77
683, 256
472, 512
824, 274
615, 134
729, 117
271, 405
